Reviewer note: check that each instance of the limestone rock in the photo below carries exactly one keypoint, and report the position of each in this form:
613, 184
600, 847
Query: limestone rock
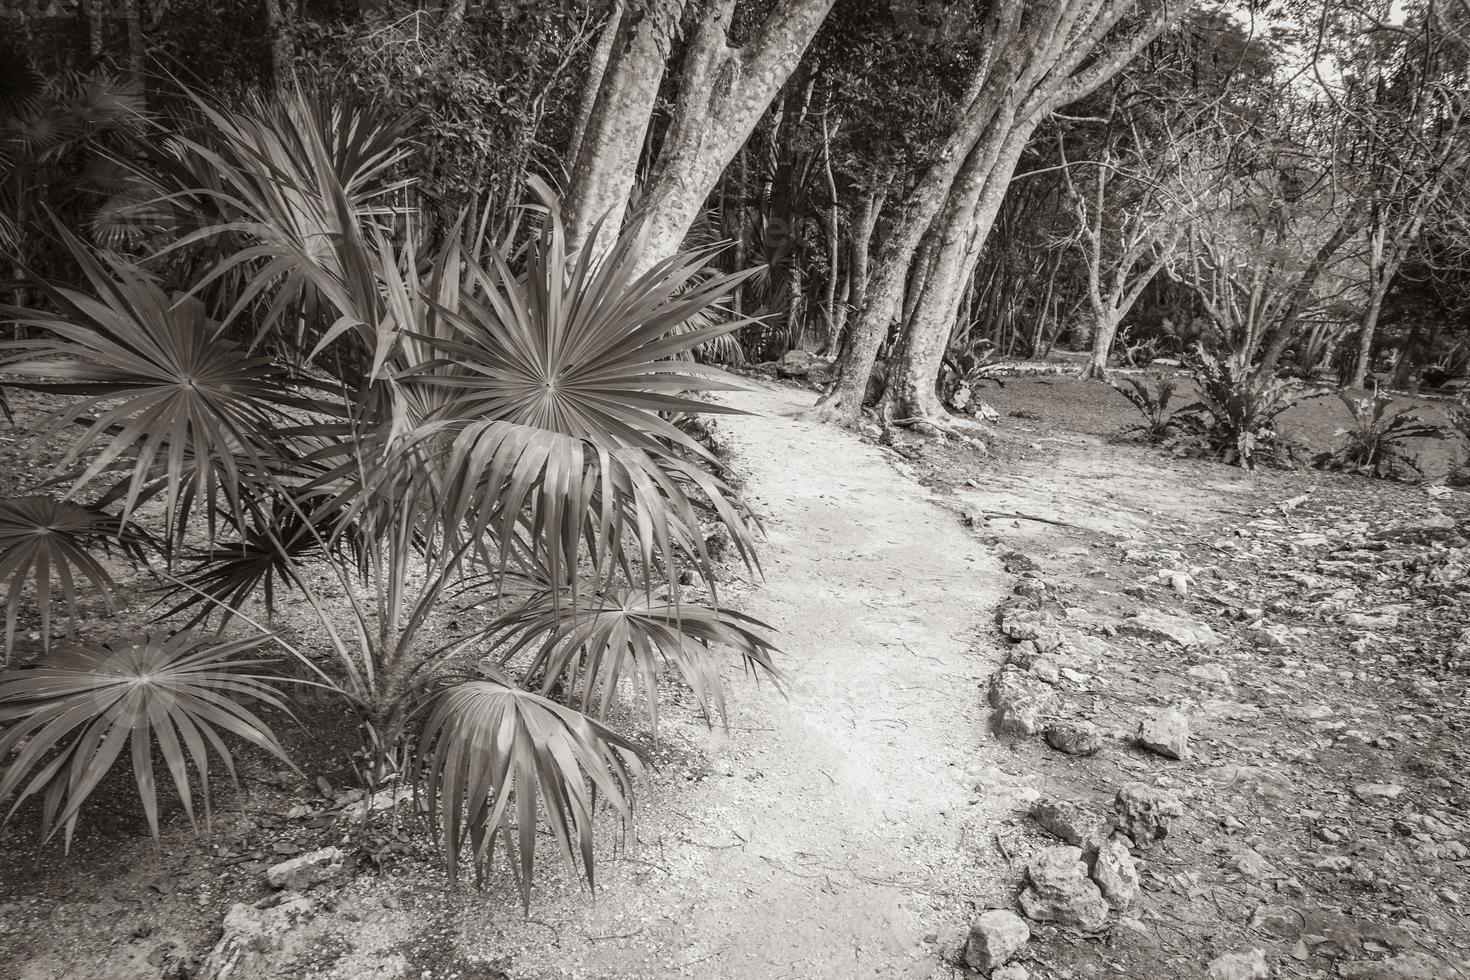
1074, 737
1209, 673
1116, 875
1020, 701
1070, 822
1038, 626
1166, 733
1372, 792
796, 364
1406, 966
1240, 965
1158, 627
995, 937
1013, 972
305, 870
251, 936
1058, 890
1145, 812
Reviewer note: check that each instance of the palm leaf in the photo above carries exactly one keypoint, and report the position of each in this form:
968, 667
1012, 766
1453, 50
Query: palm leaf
494, 757
46, 543
592, 641
164, 393
68, 720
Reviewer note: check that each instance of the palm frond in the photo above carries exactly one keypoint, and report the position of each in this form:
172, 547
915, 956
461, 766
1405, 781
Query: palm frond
47, 543
590, 642
496, 757
69, 718
163, 392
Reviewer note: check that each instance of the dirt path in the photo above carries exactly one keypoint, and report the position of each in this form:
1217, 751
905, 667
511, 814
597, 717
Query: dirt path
834, 831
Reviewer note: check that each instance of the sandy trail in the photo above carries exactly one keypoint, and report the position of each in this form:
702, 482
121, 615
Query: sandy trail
834, 834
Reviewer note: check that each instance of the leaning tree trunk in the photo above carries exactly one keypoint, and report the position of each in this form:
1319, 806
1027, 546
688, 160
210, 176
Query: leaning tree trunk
1056, 65
596, 71
974, 203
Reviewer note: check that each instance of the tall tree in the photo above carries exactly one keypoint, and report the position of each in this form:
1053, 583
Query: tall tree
1038, 57
722, 91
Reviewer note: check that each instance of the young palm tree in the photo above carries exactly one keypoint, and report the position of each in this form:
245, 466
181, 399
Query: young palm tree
413, 421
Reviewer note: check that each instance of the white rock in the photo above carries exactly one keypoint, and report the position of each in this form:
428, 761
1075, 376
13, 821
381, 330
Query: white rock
995, 937
305, 870
1240, 965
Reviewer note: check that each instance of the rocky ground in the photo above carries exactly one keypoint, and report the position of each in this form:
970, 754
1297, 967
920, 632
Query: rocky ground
1256, 684
1071, 709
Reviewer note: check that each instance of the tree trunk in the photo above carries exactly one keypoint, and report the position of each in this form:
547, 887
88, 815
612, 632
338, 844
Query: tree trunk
1096, 368
1365, 339
1039, 55
133, 22
723, 92
974, 202
596, 71
282, 54
94, 12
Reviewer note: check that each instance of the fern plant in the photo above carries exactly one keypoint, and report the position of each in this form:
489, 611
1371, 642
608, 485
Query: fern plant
1152, 395
1235, 417
1376, 444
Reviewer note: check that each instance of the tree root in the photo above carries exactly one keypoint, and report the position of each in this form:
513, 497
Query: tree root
942, 427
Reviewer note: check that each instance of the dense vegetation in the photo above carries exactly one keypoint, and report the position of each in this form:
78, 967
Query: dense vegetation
423, 301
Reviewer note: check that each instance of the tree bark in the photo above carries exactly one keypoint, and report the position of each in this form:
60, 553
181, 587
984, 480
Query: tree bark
1051, 70
596, 71
607, 162
723, 91
1105, 329
282, 53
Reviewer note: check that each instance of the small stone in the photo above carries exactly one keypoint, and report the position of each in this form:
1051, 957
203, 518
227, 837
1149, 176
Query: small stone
303, 871
1013, 972
1369, 792
1406, 966
1309, 712
1035, 625
1044, 670
1071, 823
1209, 673
1166, 733
1030, 587
1157, 627
1335, 863
995, 937
1240, 965
1058, 890
1074, 737
1251, 864
1020, 701
1116, 875
1015, 563
1145, 812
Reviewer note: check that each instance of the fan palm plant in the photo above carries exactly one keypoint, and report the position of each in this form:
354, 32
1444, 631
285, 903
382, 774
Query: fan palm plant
503, 419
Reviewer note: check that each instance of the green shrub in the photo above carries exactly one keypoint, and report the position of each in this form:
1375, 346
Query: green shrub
1152, 395
1376, 444
1235, 417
